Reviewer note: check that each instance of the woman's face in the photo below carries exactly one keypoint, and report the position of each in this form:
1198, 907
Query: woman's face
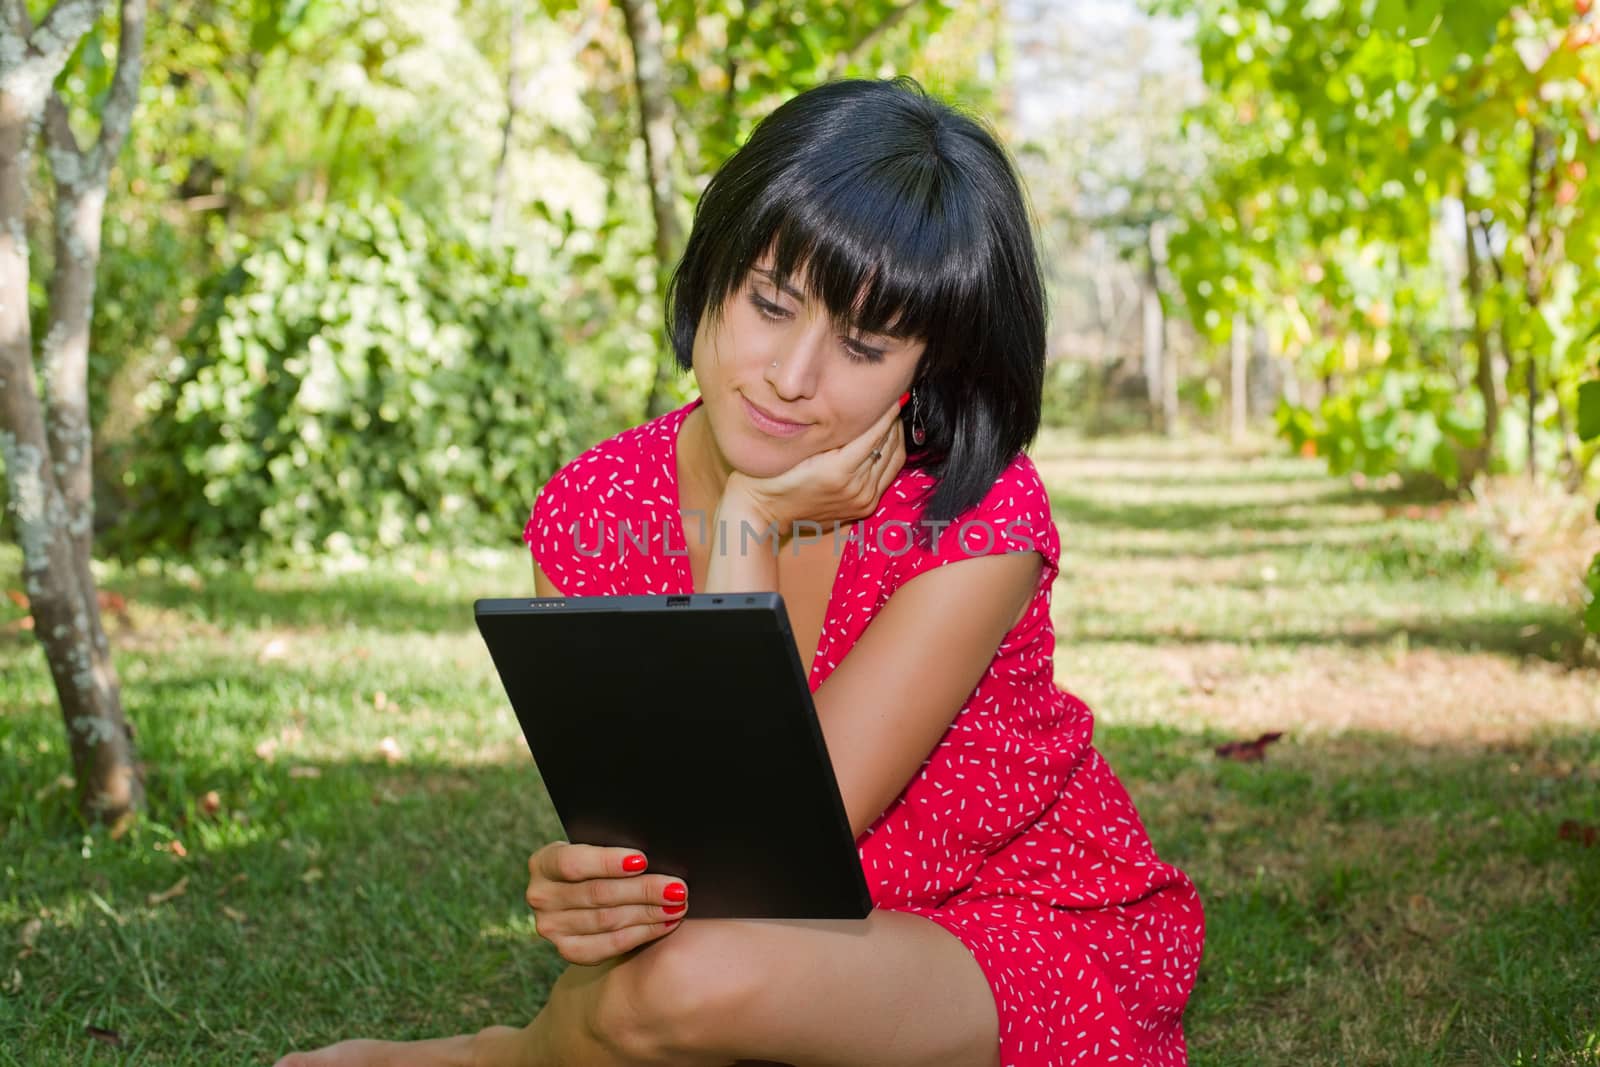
827, 388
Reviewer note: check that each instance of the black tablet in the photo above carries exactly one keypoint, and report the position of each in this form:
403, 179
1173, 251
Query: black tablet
682, 726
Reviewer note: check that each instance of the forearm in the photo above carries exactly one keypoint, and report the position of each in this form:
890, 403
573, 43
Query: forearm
744, 549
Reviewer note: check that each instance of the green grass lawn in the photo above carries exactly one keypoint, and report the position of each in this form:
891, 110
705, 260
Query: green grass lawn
341, 806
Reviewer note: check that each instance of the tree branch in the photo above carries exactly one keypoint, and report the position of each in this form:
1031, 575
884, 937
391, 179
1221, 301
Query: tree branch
117, 115
29, 71
58, 136
854, 52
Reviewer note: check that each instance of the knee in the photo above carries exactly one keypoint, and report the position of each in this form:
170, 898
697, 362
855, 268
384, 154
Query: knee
665, 1002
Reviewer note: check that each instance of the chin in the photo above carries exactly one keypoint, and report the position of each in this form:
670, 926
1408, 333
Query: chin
758, 462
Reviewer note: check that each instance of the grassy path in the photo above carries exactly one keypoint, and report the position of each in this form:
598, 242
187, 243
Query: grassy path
1389, 885
341, 807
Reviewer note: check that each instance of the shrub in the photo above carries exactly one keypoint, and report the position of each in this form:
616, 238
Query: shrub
367, 378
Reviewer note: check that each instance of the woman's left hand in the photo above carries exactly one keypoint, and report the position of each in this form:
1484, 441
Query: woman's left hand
841, 484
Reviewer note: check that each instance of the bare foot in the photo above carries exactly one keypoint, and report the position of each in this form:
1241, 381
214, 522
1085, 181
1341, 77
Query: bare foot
437, 1052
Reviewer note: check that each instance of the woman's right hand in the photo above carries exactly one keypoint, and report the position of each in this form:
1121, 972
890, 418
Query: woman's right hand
594, 903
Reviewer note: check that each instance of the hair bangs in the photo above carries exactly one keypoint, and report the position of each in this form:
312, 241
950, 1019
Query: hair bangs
872, 258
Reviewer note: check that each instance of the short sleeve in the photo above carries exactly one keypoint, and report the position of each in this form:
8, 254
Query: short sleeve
1014, 516
566, 536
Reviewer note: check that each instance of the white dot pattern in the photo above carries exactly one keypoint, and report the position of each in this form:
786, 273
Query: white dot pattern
1015, 835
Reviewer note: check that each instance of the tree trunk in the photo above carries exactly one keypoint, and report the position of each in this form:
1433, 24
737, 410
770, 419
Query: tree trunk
1154, 334
660, 150
514, 99
1533, 276
1480, 458
1267, 380
1159, 355
46, 446
1238, 388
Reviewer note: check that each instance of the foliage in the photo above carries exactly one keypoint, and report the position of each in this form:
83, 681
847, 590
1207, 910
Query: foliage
1388, 420
253, 110
362, 379
1589, 431
1359, 147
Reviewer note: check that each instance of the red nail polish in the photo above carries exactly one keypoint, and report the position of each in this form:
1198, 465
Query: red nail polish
675, 892
673, 909
905, 398
634, 863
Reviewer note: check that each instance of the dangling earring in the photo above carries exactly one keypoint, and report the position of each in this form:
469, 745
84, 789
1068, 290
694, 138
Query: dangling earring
919, 432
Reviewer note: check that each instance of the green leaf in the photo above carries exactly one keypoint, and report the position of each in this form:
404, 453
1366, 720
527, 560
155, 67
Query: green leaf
1589, 410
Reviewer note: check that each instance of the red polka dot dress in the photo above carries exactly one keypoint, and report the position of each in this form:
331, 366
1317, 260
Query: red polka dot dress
1015, 835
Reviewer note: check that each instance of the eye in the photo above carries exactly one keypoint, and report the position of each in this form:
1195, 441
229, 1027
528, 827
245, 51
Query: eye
769, 311
862, 353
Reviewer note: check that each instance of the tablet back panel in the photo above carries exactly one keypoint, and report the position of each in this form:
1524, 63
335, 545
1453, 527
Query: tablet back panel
683, 726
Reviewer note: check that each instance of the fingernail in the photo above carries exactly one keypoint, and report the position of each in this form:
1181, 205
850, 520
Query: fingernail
673, 909
673, 923
675, 892
905, 398
634, 863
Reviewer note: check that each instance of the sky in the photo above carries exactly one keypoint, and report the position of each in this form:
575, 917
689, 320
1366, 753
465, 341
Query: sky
1076, 59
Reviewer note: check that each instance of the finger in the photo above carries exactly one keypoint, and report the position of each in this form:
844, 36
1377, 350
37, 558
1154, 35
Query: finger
548, 896
885, 470
579, 863
867, 466
894, 458
609, 892
881, 453
590, 949
577, 922
860, 450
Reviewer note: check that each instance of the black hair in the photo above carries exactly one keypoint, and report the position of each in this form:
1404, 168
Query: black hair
908, 218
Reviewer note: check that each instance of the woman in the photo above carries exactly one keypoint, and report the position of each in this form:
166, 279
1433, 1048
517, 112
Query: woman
862, 272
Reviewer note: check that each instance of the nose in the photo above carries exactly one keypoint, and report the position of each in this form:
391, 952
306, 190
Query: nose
795, 376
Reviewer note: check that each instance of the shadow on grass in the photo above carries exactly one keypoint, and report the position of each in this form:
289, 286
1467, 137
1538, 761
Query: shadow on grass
337, 899
1191, 516
386, 603
368, 900
1540, 632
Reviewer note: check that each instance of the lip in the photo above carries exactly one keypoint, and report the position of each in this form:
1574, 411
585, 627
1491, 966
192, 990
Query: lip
767, 423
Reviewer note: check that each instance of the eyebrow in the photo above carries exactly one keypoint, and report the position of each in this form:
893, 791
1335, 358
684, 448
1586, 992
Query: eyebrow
786, 287
792, 291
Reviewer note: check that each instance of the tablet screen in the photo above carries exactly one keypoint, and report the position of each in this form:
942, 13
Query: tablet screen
683, 726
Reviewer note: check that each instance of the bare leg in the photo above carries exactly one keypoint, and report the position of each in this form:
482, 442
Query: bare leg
893, 990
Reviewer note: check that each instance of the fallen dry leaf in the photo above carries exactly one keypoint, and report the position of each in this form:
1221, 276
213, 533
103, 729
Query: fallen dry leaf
177, 889
114, 604
18, 597
1248, 751
13, 984
1585, 834
211, 803
312, 874
235, 915
29, 933
110, 1037
305, 772
380, 700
